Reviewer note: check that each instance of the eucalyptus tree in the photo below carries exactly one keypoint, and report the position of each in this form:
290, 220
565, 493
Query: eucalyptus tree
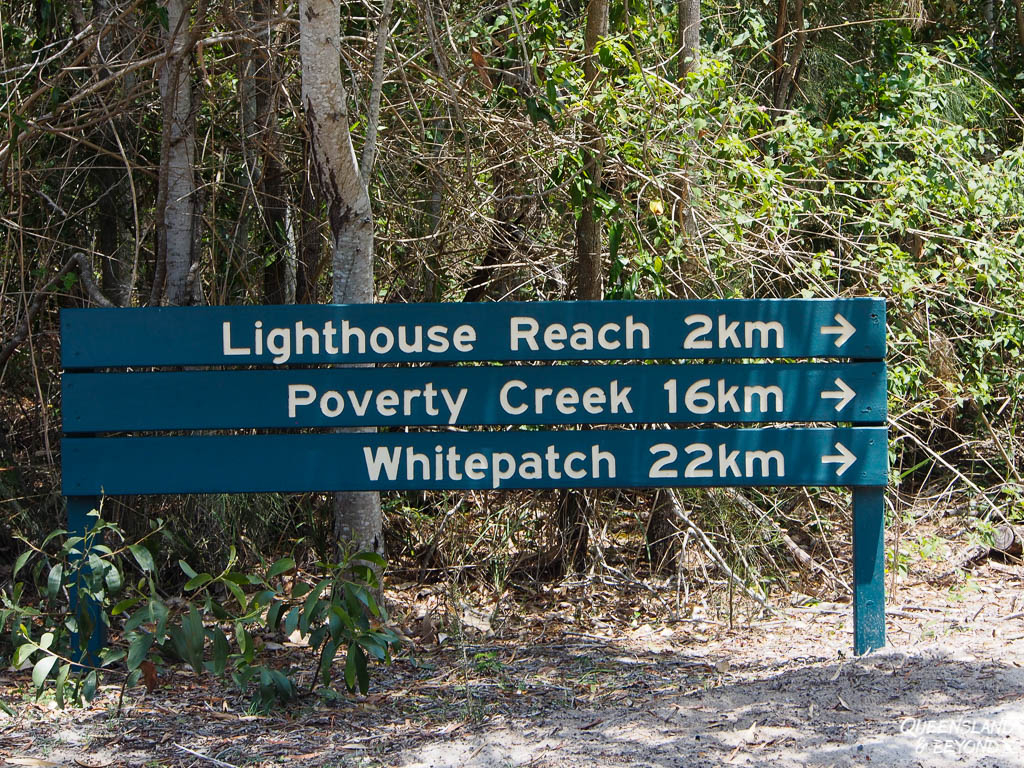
176, 281
343, 182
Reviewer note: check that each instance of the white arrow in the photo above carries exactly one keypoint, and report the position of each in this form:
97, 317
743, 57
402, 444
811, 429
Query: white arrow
843, 331
845, 459
844, 394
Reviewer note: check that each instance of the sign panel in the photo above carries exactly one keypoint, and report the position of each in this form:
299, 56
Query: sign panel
549, 394
855, 456
378, 333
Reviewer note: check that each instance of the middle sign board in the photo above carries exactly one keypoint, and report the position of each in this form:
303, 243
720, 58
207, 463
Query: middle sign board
475, 395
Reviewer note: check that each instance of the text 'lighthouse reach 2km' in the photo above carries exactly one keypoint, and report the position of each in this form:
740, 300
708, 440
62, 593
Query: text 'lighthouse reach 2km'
608, 330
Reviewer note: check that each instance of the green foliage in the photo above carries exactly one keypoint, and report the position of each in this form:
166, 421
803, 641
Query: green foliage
213, 630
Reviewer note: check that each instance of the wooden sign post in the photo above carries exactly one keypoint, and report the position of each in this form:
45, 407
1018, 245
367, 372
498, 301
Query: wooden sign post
281, 367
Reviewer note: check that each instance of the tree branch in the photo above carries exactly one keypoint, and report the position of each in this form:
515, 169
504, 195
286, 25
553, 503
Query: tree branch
369, 154
92, 290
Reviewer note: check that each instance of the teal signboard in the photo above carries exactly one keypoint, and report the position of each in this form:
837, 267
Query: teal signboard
463, 395
283, 375
484, 460
387, 333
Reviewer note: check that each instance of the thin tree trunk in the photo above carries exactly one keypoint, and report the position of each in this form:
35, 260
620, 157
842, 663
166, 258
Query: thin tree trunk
357, 517
114, 243
310, 259
177, 220
574, 505
788, 64
689, 37
271, 189
689, 59
1019, 15
589, 270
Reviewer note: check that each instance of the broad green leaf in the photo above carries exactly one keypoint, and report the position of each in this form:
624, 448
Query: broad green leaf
22, 654
198, 581
274, 615
89, 686
54, 581
124, 605
283, 565
138, 650
42, 670
143, 557
111, 655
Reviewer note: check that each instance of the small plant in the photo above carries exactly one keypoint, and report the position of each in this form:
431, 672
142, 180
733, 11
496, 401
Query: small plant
212, 631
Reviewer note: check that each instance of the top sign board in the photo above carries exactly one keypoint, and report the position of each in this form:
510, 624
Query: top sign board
408, 333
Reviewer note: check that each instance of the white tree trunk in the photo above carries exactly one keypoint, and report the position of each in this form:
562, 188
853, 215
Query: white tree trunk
176, 209
357, 518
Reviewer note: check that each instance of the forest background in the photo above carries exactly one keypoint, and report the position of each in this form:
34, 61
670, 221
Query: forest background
162, 154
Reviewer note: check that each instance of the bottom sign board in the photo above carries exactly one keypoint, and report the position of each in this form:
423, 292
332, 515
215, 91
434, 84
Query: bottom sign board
855, 456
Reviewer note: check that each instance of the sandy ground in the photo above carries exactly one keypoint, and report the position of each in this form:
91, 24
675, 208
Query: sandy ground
947, 691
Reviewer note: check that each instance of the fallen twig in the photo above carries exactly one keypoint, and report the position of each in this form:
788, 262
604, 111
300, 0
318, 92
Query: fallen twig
213, 760
677, 507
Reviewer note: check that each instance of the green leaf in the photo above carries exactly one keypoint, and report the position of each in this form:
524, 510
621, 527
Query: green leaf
138, 650
54, 581
124, 605
350, 667
198, 581
239, 595
283, 565
187, 569
45, 641
221, 649
274, 615
42, 670
291, 623
60, 683
312, 602
110, 656
285, 687
20, 562
143, 557
89, 686
113, 580
22, 654
373, 644
326, 659
362, 671
371, 557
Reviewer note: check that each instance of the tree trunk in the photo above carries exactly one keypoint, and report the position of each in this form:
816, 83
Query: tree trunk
268, 171
689, 37
309, 257
589, 270
176, 282
788, 53
113, 241
1018, 8
574, 505
357, 518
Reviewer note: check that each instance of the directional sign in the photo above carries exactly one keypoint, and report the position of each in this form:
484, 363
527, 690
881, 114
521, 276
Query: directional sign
548, 394
853, 456
378, 333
